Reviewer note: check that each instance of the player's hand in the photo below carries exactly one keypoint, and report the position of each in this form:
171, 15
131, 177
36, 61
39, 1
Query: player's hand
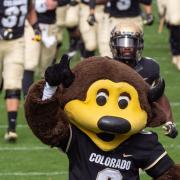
60, 73
37, 32
6, 34
73, 3
170, 130
51, 4
91, 20
149, 19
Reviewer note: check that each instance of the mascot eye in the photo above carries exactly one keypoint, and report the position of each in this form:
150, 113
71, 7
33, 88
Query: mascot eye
101, 98
123, 101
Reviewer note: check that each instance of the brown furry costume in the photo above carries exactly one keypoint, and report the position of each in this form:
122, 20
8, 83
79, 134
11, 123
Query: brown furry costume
49, 122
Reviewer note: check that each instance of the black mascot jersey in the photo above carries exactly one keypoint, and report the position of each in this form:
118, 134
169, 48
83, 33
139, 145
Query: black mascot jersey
140, 151
12, 16
149, 69
125, 8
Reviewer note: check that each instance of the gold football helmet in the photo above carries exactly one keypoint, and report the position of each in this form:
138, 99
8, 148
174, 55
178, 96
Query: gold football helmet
126, 43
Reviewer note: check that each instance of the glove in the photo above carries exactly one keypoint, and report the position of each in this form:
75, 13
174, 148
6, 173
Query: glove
6, 34
60, 73
37, 32
149, 19
91, 19
73, 3
170, 129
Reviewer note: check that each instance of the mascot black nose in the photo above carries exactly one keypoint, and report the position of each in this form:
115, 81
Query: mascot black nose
112, 124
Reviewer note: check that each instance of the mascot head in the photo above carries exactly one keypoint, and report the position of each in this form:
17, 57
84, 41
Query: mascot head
109, 101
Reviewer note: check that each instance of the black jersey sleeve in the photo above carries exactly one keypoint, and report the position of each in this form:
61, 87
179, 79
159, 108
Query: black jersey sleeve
155, 161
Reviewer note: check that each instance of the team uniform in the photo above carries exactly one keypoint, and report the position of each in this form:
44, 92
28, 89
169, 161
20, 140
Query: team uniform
141, 150
12, 22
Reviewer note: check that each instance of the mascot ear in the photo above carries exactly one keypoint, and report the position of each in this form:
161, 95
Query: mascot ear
155, 92
158, 116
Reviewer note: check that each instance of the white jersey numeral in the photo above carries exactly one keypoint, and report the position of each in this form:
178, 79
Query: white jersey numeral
109, 174
11, 16
123, 5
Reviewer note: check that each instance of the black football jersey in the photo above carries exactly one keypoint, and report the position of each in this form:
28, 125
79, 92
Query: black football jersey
87, 161
149, 69
12, 16
123, 8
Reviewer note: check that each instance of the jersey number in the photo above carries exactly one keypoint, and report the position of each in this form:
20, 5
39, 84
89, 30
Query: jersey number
12, 14
123, 5
109, 174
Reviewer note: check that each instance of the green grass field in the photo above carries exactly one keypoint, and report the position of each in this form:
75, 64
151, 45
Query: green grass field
29, 159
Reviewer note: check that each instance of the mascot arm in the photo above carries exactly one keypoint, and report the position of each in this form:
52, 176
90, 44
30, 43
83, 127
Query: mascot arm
170, 174
46, 119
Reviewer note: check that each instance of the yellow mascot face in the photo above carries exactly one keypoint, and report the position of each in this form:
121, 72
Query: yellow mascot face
109, 115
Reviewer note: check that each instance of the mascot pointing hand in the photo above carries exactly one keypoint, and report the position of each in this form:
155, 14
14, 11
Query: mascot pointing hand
96, 114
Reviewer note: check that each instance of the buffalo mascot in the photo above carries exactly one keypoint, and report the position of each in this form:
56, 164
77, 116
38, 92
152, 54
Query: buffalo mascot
96, 113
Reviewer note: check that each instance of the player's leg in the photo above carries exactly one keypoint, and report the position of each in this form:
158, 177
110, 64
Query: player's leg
72, 22
88, 32
175, 44
12, 74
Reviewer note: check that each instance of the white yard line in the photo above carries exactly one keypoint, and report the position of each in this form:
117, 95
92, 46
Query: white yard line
34, 173
25, 148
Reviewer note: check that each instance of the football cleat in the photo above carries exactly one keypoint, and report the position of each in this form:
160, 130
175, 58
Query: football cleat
10, 136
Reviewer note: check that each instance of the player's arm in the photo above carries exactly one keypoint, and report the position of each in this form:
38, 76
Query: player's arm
169, 126
33, 20
92, 4
32, 16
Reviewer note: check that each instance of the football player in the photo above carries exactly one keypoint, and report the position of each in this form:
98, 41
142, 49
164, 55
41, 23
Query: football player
12, 20
170, 12
126, 44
